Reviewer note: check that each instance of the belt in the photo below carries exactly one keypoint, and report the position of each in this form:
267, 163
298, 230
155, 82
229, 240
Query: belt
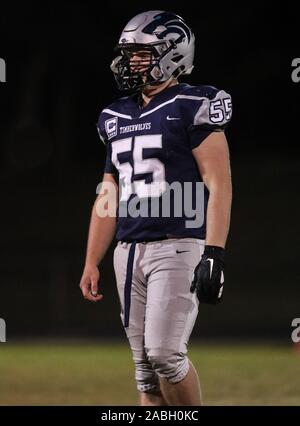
149, 240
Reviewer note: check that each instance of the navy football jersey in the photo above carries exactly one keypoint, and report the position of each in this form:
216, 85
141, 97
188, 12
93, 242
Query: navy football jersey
149, 151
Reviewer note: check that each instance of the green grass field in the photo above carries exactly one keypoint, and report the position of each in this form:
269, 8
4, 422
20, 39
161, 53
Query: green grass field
88, 373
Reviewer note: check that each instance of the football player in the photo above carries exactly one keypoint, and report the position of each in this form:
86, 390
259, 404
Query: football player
163, 139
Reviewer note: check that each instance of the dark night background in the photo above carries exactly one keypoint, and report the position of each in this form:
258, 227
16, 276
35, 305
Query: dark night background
58, 80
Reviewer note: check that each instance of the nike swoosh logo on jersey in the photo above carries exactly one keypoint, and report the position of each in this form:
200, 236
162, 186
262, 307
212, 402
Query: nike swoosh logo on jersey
182, 251
172, 118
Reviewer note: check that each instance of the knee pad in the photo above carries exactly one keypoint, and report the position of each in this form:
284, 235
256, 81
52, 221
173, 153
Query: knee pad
145, 377
168, 364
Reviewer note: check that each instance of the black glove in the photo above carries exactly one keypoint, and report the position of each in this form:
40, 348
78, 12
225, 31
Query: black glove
208, 278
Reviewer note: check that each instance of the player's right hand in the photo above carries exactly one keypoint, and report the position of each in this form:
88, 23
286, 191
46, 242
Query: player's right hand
89, 283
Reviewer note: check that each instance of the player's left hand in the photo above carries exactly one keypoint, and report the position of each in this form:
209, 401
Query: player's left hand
208, 280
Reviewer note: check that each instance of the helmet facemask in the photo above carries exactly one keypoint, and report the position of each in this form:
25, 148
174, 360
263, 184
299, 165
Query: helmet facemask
134, 74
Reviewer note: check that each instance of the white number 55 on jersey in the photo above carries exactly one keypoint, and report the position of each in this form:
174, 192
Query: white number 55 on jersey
220, 110
141, 165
